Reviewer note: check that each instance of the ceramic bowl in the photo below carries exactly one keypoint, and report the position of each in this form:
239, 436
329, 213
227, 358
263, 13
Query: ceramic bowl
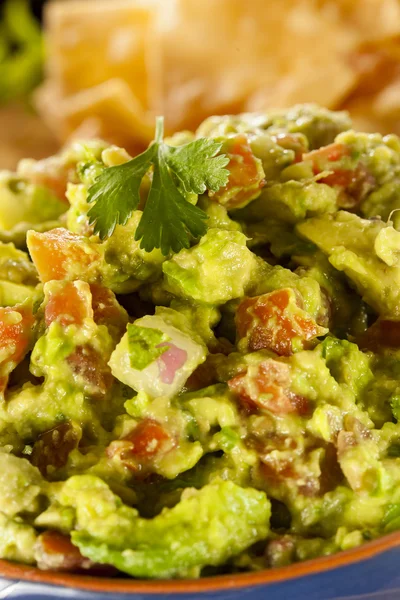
370, 572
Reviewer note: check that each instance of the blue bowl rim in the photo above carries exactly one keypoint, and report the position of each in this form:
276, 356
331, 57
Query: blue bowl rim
367, 551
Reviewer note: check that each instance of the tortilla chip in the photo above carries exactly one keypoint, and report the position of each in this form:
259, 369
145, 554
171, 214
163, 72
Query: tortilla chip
109, 111
243, 54
371, 20
92, 42
114, 65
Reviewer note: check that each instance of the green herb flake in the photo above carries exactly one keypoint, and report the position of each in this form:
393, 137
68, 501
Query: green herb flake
144, 345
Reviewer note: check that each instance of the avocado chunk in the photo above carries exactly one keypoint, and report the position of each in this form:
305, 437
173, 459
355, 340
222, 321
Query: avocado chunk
292, 201
22, 201
206, 527
214, 271
368, 251
319, 125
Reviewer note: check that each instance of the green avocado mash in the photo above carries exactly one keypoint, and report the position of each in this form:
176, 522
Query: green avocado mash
200, 349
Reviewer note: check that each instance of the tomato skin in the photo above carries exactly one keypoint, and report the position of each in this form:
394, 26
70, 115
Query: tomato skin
245, 175
147, 442
53, 447
331, 153
15, 336
57, 253
274, 321
57, 552
69, 302
266, 386
148, 439
72, 303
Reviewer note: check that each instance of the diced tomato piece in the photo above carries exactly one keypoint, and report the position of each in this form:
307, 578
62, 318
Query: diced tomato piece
354, 182
246, 177
60, 254
67, 302
56, 552
107, 310
15, 335
147, 442
92, 369
267, 386
53, 447
275, 321
148, 439
327, 154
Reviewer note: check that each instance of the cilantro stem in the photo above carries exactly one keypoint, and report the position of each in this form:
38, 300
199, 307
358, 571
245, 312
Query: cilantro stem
159, 130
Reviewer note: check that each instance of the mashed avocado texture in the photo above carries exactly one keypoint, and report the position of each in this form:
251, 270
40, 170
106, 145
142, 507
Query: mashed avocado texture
233, 405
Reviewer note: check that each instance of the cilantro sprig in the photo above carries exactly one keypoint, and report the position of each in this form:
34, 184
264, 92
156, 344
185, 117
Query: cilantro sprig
169, 221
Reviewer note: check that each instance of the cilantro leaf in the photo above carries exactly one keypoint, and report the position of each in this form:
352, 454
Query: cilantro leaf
197, 165
144, 345
116, 193
163, 205
169, 221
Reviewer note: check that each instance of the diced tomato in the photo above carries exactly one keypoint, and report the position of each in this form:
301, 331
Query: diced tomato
91, 369
53, 447
67, 302
147, 442
148, 439
274, 321
107, 310
15, 335
60, 254
267, 386
326, 154
246, 177
354, 182
382, 334
56, 552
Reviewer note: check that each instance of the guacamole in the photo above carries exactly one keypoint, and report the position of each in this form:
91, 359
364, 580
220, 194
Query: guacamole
210, 383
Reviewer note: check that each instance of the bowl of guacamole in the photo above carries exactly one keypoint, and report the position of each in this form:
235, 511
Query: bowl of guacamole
200, 351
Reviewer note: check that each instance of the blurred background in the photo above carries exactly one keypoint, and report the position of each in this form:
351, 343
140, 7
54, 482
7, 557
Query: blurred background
101, 68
